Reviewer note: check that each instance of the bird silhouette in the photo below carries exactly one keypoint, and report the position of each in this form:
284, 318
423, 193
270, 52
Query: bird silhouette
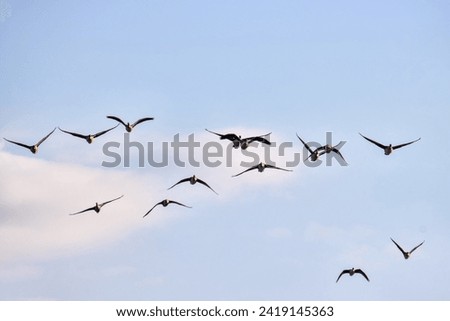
32, 148
193, 180
129, 127
406, 255
97, 207
351, 272
388, 149
261, 167
89, 138
165, 203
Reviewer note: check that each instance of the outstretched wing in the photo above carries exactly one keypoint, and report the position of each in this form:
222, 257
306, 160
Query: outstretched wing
342, 273
142, 120
362, 273
248, 169
104, 132
181, 181
401, 145
275, 167
178, 203
42, 140
17, 143
116, 119
204, 183
416, 247
260, 139
110, 201
399, 247
88, 209
374, 142
231, 137
153, 208
334, 149
305, 144
73, 134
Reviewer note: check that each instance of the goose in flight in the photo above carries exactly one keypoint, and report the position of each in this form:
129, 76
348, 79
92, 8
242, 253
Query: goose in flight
326, 149
238, 141
96, 207
193, 179
406, 254
389, 148
32, 148
261, 167
129, 127
314, 154
353, 271
89, 138
165, 203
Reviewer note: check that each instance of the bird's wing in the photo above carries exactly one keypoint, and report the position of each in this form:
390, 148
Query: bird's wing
305, 144
116, 119
110, 201
416, 247
88, 209
153, 208
248, 169
342, 273
181, 181
231, 137
339, 153
204, 183
401, 145
17, 143
275, 167
374, 142
42, 140
362, 273
73, 134
399, 247
178, 203
142, 120
104, 132
258, 139
214, 133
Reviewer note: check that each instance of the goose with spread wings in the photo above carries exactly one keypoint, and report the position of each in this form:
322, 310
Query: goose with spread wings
97, 207
351, 272
165, 203
128, 126
89, 138
326, 149
388, 149
32, 148
238, 141
261, 167
406, 254
193, 180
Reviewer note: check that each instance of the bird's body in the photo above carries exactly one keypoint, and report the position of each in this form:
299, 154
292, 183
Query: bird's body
33, 148
193, 180
261, 167
388, 149
97, 207
351, 272
128, 126
165, 203
406, 254
90, 137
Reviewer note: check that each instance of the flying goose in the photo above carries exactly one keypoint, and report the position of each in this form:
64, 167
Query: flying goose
242, 142
326, 149
32, 148
89, 138
314, 155
129, 127
353, 271
193, 179
261, 167
96, 207
406, 254
389, 148
165, 203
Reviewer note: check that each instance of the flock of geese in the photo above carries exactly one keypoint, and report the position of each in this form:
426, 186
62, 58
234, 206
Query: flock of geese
238, 142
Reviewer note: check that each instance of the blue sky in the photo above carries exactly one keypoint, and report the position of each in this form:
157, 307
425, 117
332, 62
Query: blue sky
253, 67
